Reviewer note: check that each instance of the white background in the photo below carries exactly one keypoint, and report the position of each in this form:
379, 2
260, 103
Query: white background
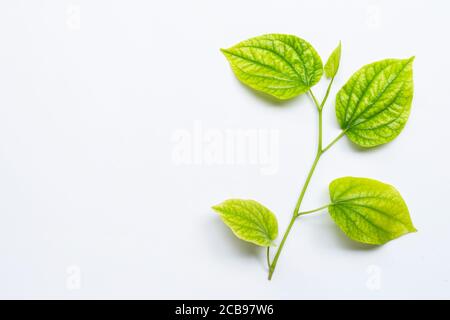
93, 205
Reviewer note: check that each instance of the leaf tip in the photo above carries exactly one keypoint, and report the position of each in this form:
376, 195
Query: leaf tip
224, 51
410, 59
216, 208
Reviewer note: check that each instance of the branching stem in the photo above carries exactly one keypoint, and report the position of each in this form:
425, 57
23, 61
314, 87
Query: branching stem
316, 102
320, 151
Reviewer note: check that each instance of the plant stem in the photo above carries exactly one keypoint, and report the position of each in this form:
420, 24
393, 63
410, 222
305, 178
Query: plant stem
327, 94
314, 99
302, 193
319, 153
268, 257
334, 141
312, 211
294, 215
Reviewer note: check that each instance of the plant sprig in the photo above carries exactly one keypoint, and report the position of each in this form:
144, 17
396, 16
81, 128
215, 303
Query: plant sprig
372, 109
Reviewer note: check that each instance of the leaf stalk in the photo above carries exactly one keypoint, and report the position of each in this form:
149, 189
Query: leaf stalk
312, 211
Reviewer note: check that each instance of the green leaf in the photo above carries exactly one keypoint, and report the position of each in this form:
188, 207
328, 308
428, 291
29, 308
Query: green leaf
374, 105
283, 66
369, 211
332, 65
249, 221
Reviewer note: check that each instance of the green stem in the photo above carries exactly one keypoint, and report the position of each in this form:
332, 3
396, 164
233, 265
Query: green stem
319, 143
319, 153
268, 257
312, 211
314, 99
294, 215
327, 94
334, 141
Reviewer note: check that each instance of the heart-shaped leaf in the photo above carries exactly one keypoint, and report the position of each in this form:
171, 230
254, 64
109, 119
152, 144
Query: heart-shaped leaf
374, 105
283, 66
369, 211
249, 221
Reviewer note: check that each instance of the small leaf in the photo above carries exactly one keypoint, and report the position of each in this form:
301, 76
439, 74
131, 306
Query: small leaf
283, 66
249, 221
369, 211
332, 65
374, 105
